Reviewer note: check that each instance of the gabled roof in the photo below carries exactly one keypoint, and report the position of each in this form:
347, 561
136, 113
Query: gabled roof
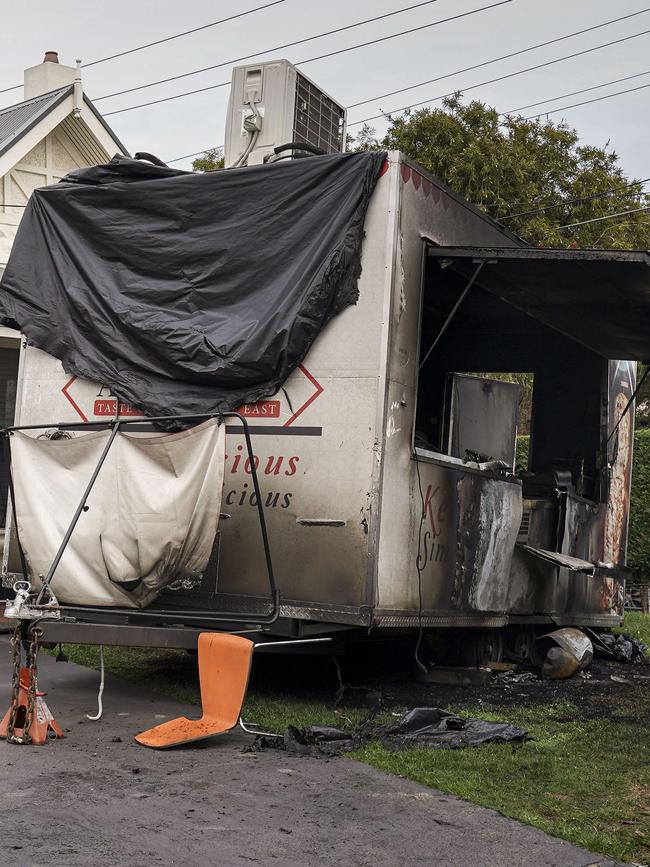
17, 120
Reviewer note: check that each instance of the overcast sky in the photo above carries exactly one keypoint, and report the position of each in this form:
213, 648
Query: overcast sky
90, 30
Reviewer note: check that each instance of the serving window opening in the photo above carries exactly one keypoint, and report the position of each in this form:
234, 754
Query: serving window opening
501, 386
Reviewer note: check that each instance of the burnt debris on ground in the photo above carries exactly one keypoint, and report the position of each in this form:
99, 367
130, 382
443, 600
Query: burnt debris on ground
383, 674
623, 648
419, 727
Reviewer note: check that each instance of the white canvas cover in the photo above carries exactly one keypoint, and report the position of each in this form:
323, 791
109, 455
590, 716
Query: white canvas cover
152, 514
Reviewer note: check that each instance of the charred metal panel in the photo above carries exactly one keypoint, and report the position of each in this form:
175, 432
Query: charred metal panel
621, 385
582, 531
463, 527
573, 564
482, 418
489, 518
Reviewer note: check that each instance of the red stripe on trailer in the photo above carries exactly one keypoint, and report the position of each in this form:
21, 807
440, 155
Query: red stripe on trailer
71, 399
319, 391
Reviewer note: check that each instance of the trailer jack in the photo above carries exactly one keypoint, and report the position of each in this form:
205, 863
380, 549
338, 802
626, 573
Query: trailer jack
28, 720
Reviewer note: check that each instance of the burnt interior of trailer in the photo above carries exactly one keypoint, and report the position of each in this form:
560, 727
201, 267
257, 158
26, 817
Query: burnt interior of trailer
487, 334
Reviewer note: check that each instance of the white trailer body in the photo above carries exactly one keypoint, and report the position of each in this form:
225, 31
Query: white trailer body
365, 529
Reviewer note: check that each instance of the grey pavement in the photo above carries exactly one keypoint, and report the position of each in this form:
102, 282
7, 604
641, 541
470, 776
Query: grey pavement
92, 799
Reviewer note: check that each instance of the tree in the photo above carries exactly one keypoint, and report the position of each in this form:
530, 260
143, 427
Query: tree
510, 165
210, 161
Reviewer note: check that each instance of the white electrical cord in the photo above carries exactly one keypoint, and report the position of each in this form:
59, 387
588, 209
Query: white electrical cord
100, 706
249, 147
253, 126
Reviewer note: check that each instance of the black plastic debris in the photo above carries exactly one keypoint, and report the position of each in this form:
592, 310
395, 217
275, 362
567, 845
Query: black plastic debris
420, 727
624, 648
432, 727
189, 293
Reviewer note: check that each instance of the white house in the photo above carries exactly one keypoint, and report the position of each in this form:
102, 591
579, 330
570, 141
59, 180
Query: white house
54, 130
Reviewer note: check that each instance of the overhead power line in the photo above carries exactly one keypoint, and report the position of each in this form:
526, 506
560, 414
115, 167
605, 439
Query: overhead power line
165, 99
269, 50
167, 38
7, 89
600, 219
312, 59
183, 33
497, 59
588, 101
504, 77
564, 202
575, 92
195, 154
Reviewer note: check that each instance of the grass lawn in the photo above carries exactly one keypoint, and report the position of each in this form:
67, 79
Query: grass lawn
585, 777
638, 625
587, 781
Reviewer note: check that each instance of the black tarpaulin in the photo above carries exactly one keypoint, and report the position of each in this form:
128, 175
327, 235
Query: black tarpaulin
189, 293
599, 298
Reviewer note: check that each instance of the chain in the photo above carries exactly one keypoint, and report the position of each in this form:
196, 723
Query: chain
32, 655
16, 642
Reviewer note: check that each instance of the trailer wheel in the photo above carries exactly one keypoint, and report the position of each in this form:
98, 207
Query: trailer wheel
489, 646
520, 644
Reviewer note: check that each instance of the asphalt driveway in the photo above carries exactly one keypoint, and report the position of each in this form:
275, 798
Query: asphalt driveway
98, 798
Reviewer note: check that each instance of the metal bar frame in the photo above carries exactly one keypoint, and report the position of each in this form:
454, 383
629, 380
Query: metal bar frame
452, 312
115, 425
253, 728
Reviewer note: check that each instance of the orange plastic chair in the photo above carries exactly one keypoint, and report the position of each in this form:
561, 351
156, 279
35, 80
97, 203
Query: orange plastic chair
224, 668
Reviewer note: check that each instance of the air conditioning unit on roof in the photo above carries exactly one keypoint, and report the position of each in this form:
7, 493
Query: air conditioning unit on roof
272, 104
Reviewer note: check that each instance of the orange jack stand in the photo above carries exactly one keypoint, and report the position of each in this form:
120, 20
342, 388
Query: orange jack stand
42, 722
224, 667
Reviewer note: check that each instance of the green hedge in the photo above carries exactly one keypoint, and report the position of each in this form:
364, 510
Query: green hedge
523, 450
638, 550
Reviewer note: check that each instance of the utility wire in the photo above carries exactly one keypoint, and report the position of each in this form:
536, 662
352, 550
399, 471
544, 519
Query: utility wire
167, 38
575, 93
165, 99
195, 154
504, 77
497, 59
312, 59
268, 50
600, 219
7, 89
587, 101
580, 199
184, 33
